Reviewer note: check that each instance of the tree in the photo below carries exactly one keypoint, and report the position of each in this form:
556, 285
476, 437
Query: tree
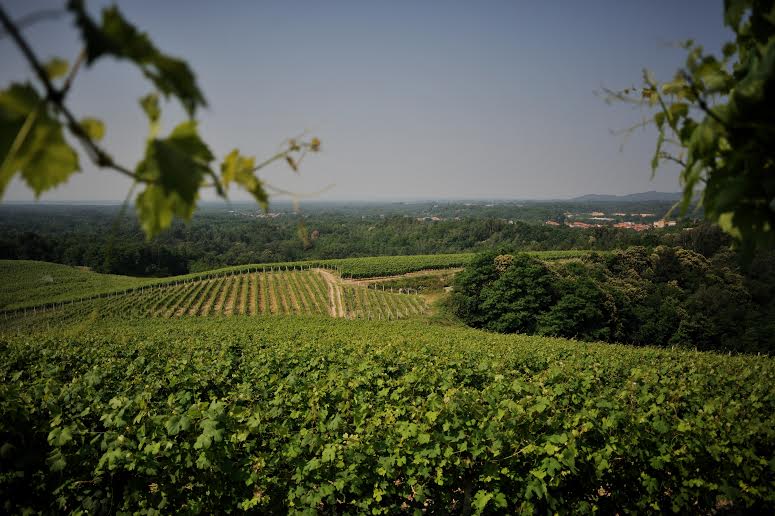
33, 121
716, 119
503, 293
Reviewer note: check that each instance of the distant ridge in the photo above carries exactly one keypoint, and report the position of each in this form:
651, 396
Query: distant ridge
636, 197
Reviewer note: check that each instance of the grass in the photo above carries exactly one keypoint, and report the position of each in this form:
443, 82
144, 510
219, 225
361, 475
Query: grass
27, 283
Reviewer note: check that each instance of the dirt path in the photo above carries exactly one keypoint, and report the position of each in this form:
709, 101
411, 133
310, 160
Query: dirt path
334, 294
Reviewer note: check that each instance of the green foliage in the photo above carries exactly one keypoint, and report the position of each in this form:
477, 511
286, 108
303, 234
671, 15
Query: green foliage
716, 120
214, 416
31, 141
41, 300
173, 168
29, 283
240, 169
664, 297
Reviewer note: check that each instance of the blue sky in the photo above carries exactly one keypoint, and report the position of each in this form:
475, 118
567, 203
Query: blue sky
412, 99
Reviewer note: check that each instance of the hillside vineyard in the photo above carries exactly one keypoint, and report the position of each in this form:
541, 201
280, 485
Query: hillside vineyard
288, 292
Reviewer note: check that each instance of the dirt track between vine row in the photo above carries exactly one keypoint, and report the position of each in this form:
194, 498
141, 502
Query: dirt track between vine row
336, 307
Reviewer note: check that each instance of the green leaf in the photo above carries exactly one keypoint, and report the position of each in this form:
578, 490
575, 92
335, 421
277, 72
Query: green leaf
60, 436
481, 498
177, 424
174, 167
726, 222
56, 67
329, 453
150, 105
93, 128
32, 141
241, 170
733, 12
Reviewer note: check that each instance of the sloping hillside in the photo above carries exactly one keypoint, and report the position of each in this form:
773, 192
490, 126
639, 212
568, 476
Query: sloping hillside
26, 282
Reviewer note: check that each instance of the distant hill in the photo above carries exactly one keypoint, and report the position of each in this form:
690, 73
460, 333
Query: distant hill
636, 197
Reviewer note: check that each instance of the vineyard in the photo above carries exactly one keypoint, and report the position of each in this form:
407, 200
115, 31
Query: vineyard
30, 283
292, 292
291, 414
41, 285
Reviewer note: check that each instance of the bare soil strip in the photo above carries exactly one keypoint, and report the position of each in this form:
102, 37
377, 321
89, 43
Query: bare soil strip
181, 298
321, 292
293, 301
217, 296
304, 303
233, 296
252, 292
263, 298
222, 295
190, 299
339, 301
274, 303
313, 299
196, 308
282, 295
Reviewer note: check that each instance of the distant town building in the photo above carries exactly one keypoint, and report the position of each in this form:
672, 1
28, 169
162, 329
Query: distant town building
582, 225
632, 225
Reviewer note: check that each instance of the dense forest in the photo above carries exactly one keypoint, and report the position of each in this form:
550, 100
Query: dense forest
220, 235
666, 296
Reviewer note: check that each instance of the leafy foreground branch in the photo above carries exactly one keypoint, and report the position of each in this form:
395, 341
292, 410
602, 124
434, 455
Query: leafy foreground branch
716, 120
173, 170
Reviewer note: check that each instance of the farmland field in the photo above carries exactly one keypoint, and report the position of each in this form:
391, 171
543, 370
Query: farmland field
289, 388
237, 293
25, 282
321, 414
28, 283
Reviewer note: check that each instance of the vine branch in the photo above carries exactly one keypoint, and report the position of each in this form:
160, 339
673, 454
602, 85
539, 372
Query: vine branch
56, 97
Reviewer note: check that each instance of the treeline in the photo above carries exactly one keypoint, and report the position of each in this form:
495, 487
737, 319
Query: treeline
666, 296
89, 236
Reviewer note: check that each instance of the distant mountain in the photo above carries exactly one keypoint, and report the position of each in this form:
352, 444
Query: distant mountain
636, 197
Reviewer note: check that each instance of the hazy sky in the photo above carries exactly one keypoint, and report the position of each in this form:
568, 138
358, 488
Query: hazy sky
433, 99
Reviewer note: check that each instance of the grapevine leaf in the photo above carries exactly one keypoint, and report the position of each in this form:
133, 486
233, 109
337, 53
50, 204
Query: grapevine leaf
150, 105
241, 170
481, 498
32, 141
94, 128
329, 453
56, 67
156, 209
60, 436
174, 168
